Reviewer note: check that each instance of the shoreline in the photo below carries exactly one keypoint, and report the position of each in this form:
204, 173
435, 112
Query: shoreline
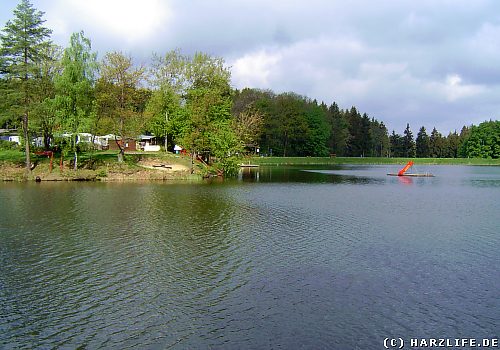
104, 167
169, 167
276, 161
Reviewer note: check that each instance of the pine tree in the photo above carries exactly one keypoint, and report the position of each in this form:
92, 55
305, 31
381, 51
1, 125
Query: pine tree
422, 143
435, 144
339, 136
396, 145
24, 43
408, 143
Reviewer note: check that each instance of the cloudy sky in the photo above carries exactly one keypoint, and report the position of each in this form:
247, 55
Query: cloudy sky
426, 62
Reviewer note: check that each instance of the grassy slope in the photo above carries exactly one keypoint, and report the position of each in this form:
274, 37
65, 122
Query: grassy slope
97, 165
369, 160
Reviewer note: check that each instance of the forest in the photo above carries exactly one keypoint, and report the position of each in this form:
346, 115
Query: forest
53, 92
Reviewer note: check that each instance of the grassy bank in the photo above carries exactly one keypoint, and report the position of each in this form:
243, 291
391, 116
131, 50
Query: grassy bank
369, 161
99, 166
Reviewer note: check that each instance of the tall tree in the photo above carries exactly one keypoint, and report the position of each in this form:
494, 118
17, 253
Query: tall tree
366, 139
318, 130
436, 144
24, 41
422, 143
122, 79
168, 77
380, 139
209, 102
408, 142
397, 145
75, 89
464, 135
452, 145
339, 137
356, 129
44, 115
483, 141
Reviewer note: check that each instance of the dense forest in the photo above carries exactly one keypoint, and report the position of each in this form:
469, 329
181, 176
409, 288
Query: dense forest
49, 91
294, 125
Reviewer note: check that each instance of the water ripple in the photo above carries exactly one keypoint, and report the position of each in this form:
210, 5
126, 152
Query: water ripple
245, 266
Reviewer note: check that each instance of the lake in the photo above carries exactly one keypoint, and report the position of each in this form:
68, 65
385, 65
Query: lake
295, 257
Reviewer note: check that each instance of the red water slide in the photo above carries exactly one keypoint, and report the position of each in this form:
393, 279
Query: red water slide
407, 166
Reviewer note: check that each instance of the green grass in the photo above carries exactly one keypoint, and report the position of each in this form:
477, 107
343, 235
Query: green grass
12, 156
97, 164
369, 161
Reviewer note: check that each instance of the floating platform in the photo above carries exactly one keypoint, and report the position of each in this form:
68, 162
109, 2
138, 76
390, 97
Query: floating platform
413, 175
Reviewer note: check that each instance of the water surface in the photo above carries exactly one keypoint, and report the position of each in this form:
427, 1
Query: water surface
283, 257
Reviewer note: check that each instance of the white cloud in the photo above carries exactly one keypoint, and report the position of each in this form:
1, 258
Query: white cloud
254, 69
127, 20
453, 88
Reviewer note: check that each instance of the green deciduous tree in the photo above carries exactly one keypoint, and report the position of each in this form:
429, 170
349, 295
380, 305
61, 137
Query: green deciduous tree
483, 141
209, 103
380, 139
318, 130
74, 98
120, 81
24, 42
166, 114
44, 115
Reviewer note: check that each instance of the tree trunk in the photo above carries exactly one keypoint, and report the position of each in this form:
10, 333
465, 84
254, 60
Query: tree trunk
122, 150
27, 143
75, 167
192, 163
285, 145
75, 160
120, 156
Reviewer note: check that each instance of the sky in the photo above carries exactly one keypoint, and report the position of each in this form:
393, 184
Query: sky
431, 63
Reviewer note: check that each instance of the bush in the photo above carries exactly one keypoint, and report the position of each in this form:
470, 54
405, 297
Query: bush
8, 145
230, 166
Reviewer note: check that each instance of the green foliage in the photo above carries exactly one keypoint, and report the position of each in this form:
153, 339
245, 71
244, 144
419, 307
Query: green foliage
318, 131
8, 145
44, 114
436, 144
422, 144
483, 141
408, 143
397, 147
339, 136
190, 103
119, 99
24, 42
380, 139
228, 166
74, 98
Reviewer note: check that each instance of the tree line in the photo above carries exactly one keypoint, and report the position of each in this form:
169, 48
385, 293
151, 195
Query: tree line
51, 91
295, 125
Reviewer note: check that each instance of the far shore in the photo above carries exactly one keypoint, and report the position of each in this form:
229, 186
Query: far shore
369, 161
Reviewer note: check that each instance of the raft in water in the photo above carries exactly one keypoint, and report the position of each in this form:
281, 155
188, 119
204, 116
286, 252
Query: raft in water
414, 175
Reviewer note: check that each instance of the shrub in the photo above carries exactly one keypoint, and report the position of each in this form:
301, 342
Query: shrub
8, 145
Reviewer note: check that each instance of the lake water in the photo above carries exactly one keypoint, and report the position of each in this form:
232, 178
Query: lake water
283, 257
